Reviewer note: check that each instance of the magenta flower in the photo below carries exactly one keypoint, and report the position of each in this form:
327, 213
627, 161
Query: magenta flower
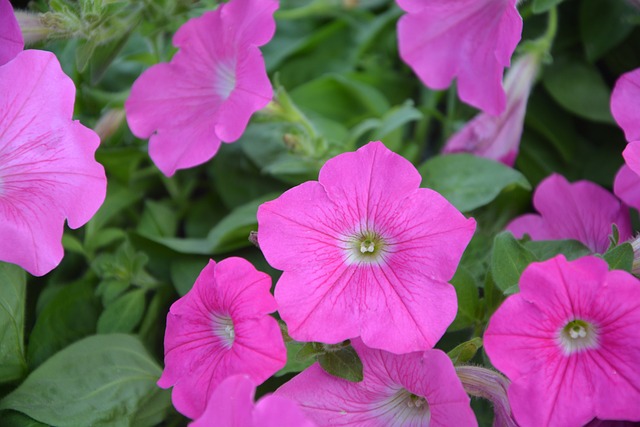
231, 405
11, 42
221, 327
471, 40
47, 167
409, 390
209, 90
365, 253
583, 211
569, 343
626, 186
498, 137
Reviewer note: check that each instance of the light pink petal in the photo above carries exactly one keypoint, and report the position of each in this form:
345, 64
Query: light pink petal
465, 39
11, 41
627, 186
581, 210
47, 167
252, 20
230, 405
631, 156
624, 104
278, 411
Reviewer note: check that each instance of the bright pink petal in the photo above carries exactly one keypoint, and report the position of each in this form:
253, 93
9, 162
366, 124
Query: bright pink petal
582, 210
11, 42
631, 156
209, 90
230, 404
278, 411
220, 328
627, 186
327, 292
465, 39
47, 166
408, 390
624, 104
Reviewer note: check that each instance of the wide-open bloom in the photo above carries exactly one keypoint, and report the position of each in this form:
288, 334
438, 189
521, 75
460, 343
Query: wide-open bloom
471, 40
221, 327
209, 90
408, 390
11, 42
365, 252
582, 210
498, 137
48, 172
231, 405
570, 344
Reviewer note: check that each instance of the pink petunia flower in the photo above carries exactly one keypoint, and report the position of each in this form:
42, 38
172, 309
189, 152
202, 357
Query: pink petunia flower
498, 137
231, 405
471, 40
409, 390
626, 186
209, 90
582, 210
11, 41
221, 327
569, 343
365, 253
47, 167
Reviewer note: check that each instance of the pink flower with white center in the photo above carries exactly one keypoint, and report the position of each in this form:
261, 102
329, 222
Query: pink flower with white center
408, 390
11, 42
209, 90
47, 167
231, 405
221, 327
569, 343
582, 210
471, 40
365, 253
498, 137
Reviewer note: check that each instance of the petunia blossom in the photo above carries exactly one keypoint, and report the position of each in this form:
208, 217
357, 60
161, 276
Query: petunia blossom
11, 41
47, 167
498, 137
365, 253
209, 90
231, 405
221, 327
569, 343
582, 210
470, 40
409, 390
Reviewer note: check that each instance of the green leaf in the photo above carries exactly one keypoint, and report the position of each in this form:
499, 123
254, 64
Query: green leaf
465, 351
579, 88
468, 299
467, 181
620, 257
603, 25
508, 260
69, 315
547, 249
184, 273
294, 362
100, 381
153, 408
123, 314
158, 219
18, 419
343, 363
13, 292
541, 6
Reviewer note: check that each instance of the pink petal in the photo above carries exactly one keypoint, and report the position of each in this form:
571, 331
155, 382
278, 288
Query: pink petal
465, 39
231, 404
631, 156
533, 225
11, 42
48, 171
278, 411
627, 186
624, 104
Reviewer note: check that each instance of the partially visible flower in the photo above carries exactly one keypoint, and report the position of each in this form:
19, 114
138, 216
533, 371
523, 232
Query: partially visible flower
569, 343
626, 186
498, 137
365, 253
471, 40
221, 327
47, 167
209, 90
409, 390
582, 210
11, 42
231, 405
109, 123
32, 27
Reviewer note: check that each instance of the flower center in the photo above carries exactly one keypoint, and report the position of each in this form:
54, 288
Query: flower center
225, 80
365, 247
578, 335
406, 408
223, 328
